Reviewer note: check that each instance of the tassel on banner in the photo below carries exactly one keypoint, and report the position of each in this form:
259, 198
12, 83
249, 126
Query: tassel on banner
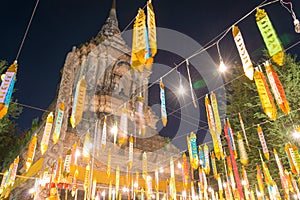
58, 123
265, 96
277, 88
193, 143
246, 61
7, 87
242, 150
164, 117
244, 131
270, 37
47, 132
31, 152
86, 147
122, 137
78, 102
263, 142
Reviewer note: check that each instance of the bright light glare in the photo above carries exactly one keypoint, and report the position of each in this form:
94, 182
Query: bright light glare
31, 191
161, 170
181, 90
77, 154
184, 193
125, 189
296, 134
103, 193
222, 67
114, 129
243, 182
136, 185
179, 165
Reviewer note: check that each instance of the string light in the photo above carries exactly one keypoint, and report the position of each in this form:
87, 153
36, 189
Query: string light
296, 21
222, 66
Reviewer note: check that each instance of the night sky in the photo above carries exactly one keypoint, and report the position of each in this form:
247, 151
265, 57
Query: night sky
58, 25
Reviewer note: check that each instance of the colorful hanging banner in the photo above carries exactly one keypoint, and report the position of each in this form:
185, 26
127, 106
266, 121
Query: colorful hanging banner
212, 128
139, 42
86, 151
7, 87
267, 175
122, 136
277, 88
164, 117
246, 60
104, 133
14, 171
263, 142
67, 163
231, 138
242, 150
188, 141
214, 165
145, 171
206, 157
86, 183
185, 170
193, 143
58, 123
57, 171
151, 28
47, 132
117, 181
283, 178
215, 109
265, 96
172, 180
290, 152
260, 181
108, 163
246, 183
269, 36
31, 152
244, 131
140, 115
74, 154
130, 156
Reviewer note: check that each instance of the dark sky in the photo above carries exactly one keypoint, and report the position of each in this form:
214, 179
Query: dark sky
59, 24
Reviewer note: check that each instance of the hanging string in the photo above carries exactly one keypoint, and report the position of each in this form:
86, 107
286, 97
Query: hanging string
27, 29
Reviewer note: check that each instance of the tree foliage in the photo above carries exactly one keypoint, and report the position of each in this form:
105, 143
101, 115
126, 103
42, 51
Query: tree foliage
242, 97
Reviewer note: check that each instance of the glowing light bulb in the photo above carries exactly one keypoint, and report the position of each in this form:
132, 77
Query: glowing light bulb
103, 193
296, 134
297, 25
181, 90
161, 170
114, 129
179, 165
222, 67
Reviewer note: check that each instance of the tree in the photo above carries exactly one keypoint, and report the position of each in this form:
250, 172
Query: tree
242, 96
8, 129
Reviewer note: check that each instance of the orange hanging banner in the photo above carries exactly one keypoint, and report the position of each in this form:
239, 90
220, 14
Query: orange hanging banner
277, 88
265, 96
47, 132
263, 142
31, 152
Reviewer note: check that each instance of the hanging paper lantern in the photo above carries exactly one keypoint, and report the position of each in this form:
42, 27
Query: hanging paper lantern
31, 152
242, 150
122, 137
145, 171
7, 87
47, 132
58, 123
212, 128
14, 171
164, 117
87, 147
265, 96
108, 163
290, 152
263, 142
104, 133
78, 102
193, 142
277, 88
269, 36
244, 131
117, 181
246, 61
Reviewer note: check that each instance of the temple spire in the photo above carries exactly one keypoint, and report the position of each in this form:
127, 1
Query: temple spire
113, 6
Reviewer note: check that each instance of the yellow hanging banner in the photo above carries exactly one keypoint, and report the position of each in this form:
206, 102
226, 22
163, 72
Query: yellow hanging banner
108, 163
117, 181
151, 28
277, 88
123, 134
260, 181
145, 171
290, 152
263, 142
31, 152
104, 133
265, 96
269, 36
246, 61
242, 150
86, 147
47, 132
78, 102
